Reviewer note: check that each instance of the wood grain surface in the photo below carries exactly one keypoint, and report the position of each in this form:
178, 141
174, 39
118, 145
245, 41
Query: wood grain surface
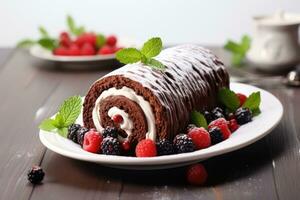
31, 90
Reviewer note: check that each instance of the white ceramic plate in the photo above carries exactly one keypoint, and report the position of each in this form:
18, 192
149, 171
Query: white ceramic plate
261, 125
41, 53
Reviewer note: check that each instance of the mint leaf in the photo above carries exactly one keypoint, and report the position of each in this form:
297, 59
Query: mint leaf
71, 25
256, 112
63, 131
198, 119
238, 50
155, 64
253, 102
47, 125
129, 55
80, 30
47, 43
25, 43
229, 99
43, 32
100, 41
70, 110
152, 47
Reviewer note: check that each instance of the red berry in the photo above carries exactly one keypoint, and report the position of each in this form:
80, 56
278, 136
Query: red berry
111, 40
87, 50
200, 137
145, 148
92, 141
126, 145
117, 119
196, 174
61, 51
105, 50
74, 50
221, 123
233, 125
90, 38
64, 39
242, 98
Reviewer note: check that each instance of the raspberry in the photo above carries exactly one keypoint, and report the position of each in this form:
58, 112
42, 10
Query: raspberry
74, 50
222, 124
243, 115
61, 51
242, 98
72, 132
111, 40
89, 38
87, 50
126, 145
216, 135
117, 119
64, 39
145, 148
110, 146
110, 132
35, 175
183, 144
196, 174
105, 50
200, 138
164, 147
233, 125
92, 141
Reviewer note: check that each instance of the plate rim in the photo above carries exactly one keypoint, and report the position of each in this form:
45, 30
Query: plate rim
163, 160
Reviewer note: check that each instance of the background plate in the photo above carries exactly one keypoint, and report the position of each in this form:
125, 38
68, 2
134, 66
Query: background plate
261, 125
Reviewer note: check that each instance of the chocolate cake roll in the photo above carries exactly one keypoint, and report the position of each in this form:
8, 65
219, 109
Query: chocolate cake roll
152, 103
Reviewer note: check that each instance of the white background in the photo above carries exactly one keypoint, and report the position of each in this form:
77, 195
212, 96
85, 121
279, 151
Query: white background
176, 21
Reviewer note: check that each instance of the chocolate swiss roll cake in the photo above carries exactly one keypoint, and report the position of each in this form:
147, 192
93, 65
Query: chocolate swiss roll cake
152, 103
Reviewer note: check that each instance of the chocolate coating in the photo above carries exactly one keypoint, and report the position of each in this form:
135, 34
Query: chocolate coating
191, 80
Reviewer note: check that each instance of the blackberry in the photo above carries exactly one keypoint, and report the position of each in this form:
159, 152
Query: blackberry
72, 132
208, 116
190, 127
164, 147
110, 146
35, 175
110, 132
217, 113
243, 116
80, 134
216, 135
183, 144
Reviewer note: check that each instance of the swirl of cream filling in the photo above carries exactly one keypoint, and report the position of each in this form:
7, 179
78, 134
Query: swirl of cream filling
127, 123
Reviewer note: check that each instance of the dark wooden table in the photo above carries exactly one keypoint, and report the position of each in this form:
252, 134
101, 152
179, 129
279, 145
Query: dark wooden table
32, 90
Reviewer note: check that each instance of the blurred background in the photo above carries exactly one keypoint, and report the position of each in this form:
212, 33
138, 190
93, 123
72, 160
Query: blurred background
177, 21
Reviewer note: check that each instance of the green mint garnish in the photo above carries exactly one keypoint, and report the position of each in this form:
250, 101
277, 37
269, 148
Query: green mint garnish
150, 49
229, 99
67, 115
253, 102
198, 119
43, 32
73, 28
100, 41
48, 43
238, 50
26, 43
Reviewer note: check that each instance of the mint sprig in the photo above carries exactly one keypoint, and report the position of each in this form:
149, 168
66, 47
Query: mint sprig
67, 115
150, 49
238, 49
228, 98
253, 103
198, 119
75, 30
